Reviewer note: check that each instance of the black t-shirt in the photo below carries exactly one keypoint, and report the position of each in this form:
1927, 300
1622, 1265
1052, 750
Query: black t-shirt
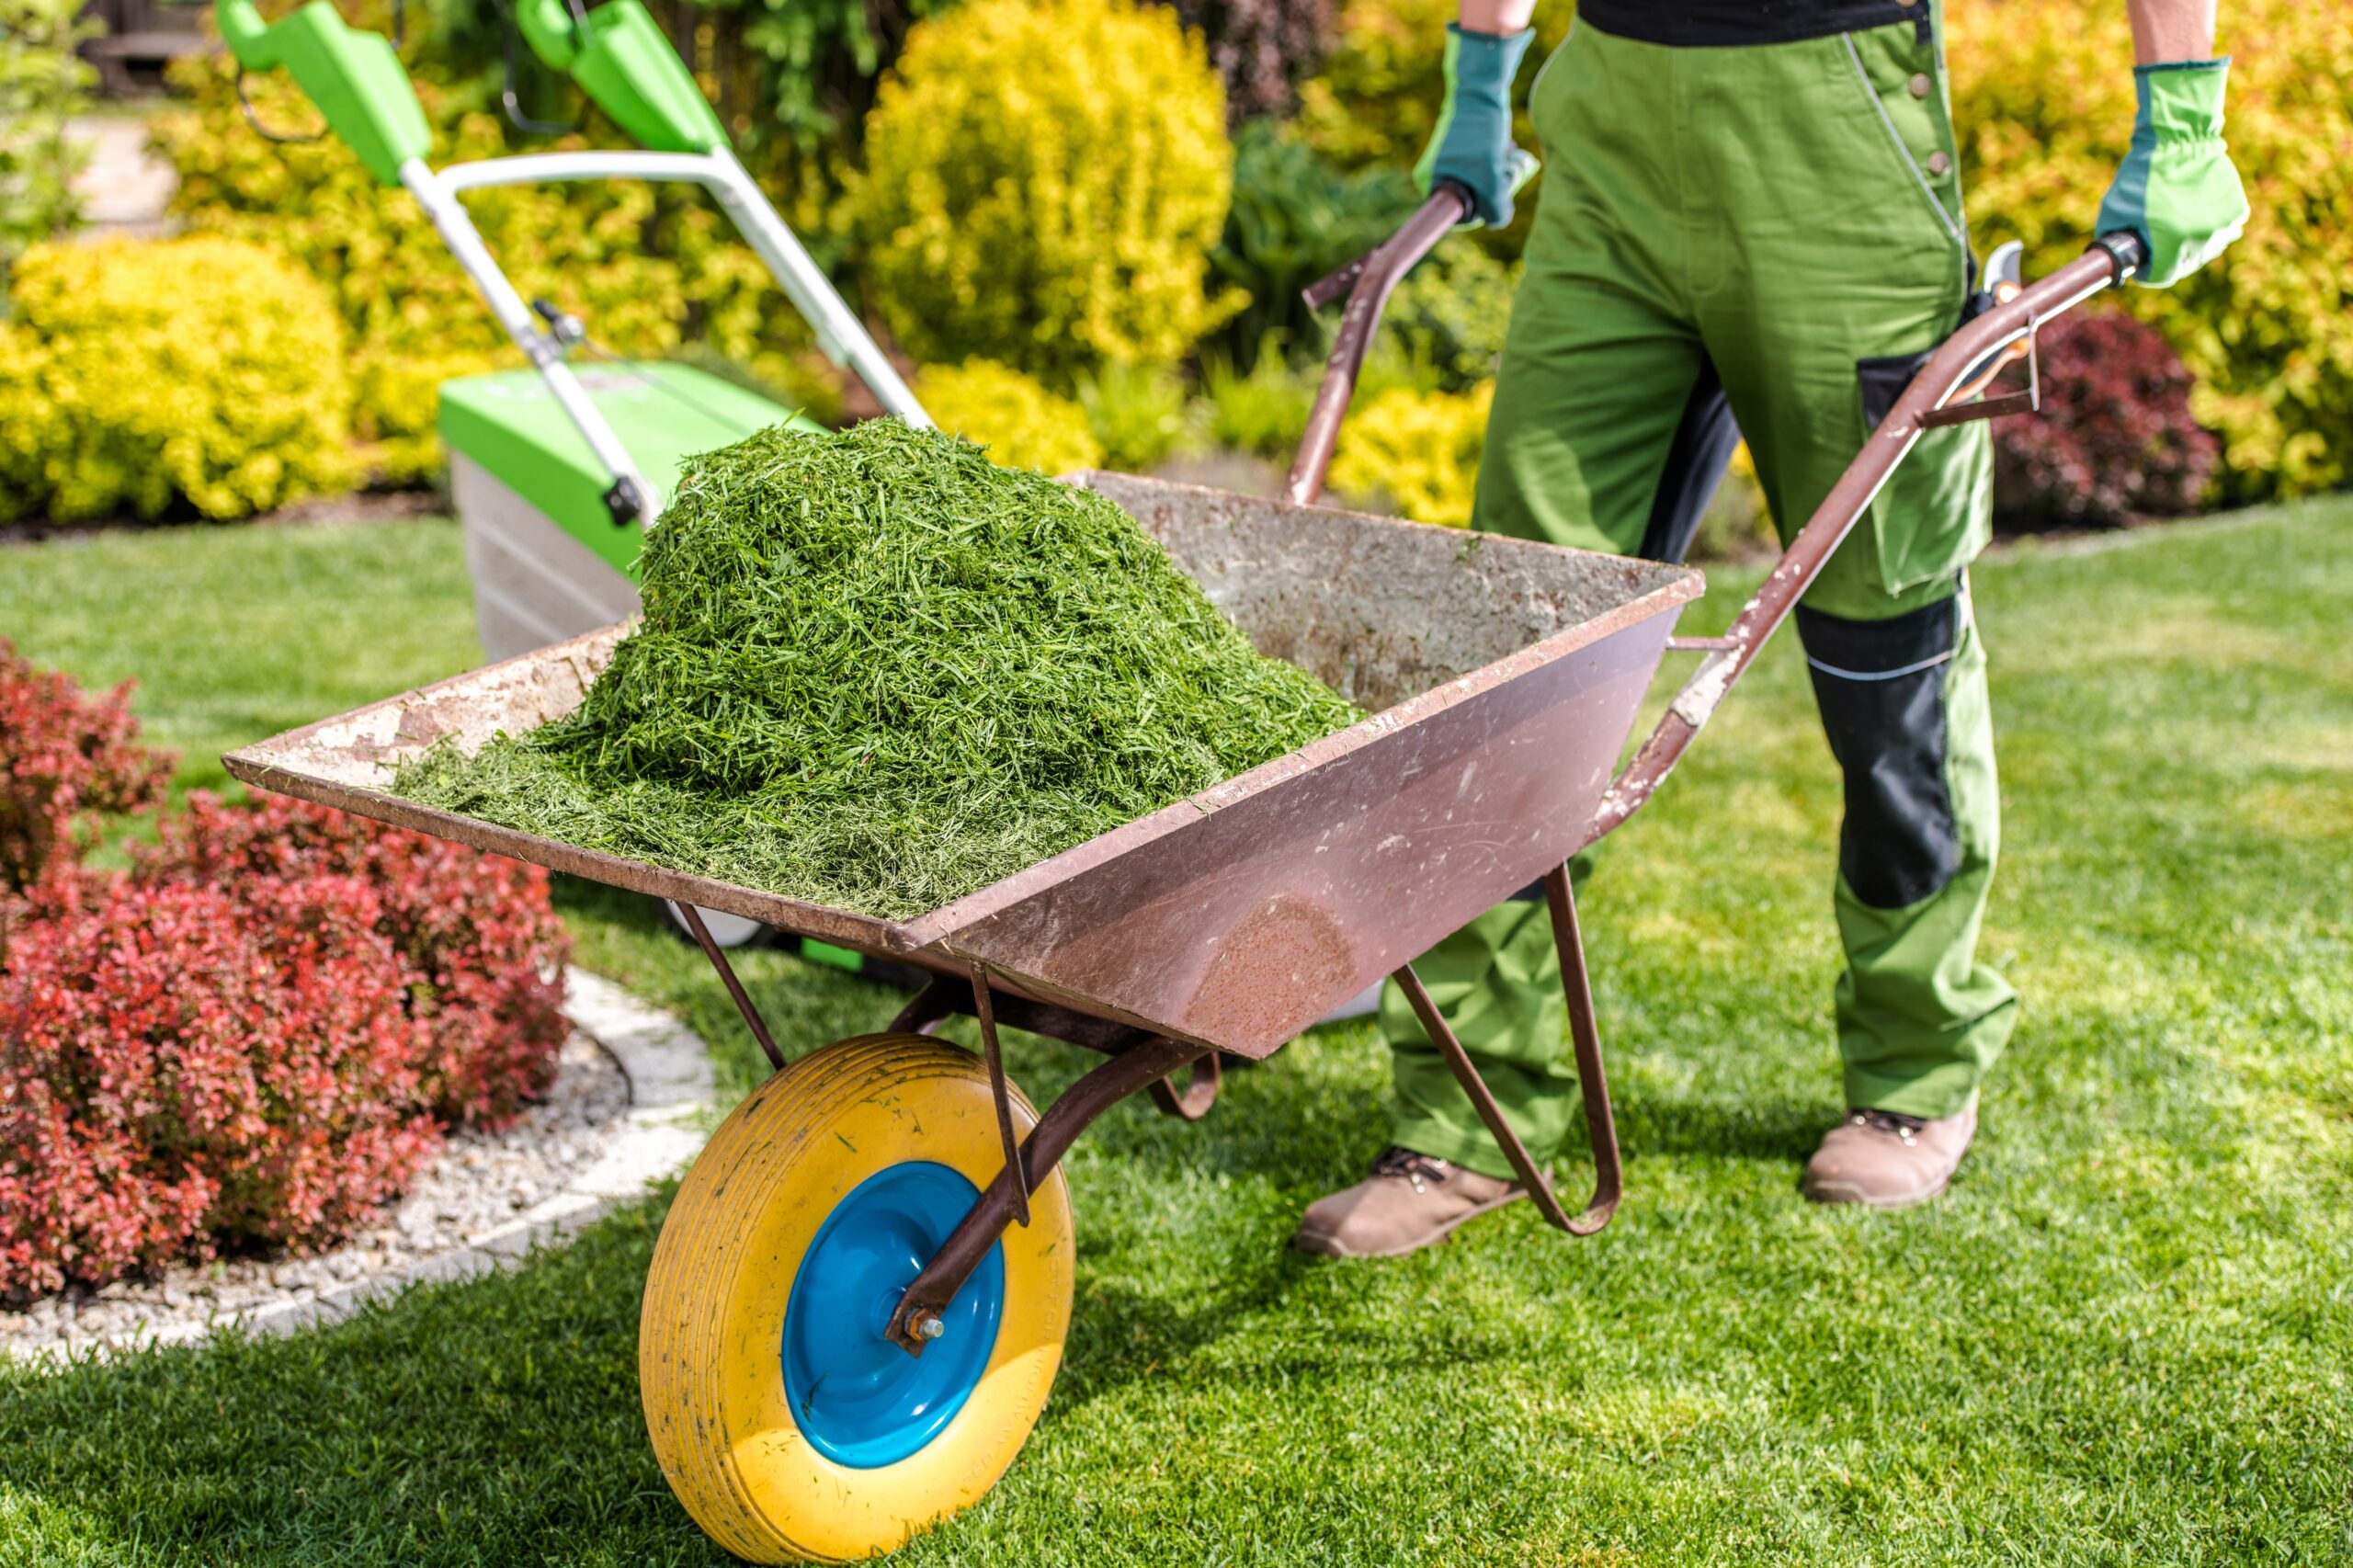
1695, 23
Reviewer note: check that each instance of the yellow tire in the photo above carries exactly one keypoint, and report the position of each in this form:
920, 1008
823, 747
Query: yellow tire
785, 1424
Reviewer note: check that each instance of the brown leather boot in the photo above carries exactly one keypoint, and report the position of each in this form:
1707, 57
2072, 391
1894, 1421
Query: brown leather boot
1409, 1202
1887, 1160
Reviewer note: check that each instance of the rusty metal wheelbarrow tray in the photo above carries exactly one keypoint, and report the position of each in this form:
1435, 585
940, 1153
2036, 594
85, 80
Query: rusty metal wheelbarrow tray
1501, 677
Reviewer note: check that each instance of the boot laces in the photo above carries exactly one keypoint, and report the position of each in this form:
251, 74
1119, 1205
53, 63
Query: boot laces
1423, 1170
1907, 1127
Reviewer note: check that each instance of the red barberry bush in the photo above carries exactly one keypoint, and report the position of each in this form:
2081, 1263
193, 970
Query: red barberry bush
65, 755
2115, 443
1261, 47
181, 1068
477, 930
256, 1035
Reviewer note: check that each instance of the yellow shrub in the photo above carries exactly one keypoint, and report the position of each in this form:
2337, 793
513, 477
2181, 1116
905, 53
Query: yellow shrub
132, 374
1022, 424
1419, 450
1044, 181
650, 269
2042, 93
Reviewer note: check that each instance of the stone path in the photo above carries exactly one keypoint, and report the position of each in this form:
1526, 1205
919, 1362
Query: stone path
124, 187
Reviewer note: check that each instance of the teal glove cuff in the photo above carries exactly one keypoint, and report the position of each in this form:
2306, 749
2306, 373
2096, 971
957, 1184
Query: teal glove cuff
2177, 188
1472, 145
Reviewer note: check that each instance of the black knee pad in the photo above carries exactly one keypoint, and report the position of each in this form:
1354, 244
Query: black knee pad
1881, 687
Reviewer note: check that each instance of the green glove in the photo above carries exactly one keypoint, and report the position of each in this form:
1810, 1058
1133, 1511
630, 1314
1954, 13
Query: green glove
1472, 145
2177, 188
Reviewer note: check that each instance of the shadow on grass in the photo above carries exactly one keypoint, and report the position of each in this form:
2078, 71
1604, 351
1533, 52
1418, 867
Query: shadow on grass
491, 1421
1777, 1131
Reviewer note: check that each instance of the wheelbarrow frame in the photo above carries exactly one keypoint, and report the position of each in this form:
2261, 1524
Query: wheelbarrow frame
1940, 393
1945, 391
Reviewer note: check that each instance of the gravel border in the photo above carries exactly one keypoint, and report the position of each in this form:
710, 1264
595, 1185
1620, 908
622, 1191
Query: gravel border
671, 1095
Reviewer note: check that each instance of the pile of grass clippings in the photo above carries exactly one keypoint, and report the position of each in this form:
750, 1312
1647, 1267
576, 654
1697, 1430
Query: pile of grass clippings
879, 672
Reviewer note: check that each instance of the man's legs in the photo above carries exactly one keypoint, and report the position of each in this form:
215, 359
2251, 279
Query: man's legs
1848, 259
1904, 701
1851, 268
1598, 367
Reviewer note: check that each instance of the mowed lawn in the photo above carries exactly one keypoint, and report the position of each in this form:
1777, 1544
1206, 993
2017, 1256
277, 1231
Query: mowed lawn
2125, 1337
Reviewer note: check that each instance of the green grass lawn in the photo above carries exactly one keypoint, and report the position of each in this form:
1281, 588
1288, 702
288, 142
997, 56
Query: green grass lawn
2126, 1336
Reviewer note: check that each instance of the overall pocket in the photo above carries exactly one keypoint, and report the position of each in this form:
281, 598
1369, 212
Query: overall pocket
1935, 513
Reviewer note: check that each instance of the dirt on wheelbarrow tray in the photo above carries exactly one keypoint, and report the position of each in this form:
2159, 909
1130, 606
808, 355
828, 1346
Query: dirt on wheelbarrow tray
877, 671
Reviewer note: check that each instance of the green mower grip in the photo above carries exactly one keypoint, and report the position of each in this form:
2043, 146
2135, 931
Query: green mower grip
353, 76
623, 61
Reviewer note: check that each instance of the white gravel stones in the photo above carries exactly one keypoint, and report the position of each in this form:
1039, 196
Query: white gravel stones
629, 1106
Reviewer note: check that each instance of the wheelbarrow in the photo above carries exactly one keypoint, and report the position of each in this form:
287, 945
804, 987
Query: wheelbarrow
859, 1301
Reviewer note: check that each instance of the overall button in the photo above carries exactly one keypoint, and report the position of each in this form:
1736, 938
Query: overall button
1919, 85
1939, 165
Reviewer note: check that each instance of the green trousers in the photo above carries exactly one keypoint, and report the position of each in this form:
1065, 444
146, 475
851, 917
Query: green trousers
1787, 219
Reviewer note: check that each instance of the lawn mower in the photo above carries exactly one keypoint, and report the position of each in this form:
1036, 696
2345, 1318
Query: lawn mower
859, 1301
557, 470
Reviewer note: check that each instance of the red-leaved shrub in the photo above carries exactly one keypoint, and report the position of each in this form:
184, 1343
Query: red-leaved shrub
1260, 48
65, 755
256, 1035
476, 930
2115, 442
179, 1068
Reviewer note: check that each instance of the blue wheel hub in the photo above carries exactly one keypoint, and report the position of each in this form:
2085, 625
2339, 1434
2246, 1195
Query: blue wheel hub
860, 1399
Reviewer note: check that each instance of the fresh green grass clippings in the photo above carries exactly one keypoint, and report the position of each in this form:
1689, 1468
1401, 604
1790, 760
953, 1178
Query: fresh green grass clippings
879, 672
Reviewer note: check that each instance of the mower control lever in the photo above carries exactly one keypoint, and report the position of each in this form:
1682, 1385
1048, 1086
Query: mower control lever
564, 327
625, 501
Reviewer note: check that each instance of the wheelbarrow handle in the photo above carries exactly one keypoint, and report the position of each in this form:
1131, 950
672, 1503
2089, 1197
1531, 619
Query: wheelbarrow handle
1948, 375
1368, 280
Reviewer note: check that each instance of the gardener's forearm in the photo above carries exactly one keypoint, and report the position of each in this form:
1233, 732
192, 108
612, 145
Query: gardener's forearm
1505, 18
2163, 30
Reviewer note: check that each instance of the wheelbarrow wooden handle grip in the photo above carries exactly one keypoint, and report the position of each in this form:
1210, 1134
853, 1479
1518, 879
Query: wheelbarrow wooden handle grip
1367, 280
1946, 375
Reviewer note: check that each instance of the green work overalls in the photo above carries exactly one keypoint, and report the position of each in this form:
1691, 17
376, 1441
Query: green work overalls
1789, 212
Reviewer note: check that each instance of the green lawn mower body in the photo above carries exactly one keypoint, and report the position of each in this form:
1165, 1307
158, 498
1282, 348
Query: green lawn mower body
548, 558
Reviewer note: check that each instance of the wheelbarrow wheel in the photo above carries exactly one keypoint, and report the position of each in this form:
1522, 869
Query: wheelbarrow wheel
786, 1423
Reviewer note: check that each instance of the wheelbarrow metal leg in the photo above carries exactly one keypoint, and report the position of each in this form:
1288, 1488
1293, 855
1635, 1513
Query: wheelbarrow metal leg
1199, 1093
1057, 1129
718, 957
1593, 1082
1602, 1130
985, 1011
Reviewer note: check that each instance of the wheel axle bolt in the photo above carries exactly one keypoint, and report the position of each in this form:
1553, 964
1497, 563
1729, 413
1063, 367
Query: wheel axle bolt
926, 1326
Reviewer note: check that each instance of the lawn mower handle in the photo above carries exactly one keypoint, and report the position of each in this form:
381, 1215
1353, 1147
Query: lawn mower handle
1953, 371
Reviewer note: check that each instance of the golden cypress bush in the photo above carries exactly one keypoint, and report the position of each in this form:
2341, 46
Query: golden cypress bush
2045, 98
135, 373
1020, 422
1044, 182
1417, 450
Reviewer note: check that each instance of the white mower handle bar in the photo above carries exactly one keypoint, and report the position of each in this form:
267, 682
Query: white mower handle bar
840, 335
